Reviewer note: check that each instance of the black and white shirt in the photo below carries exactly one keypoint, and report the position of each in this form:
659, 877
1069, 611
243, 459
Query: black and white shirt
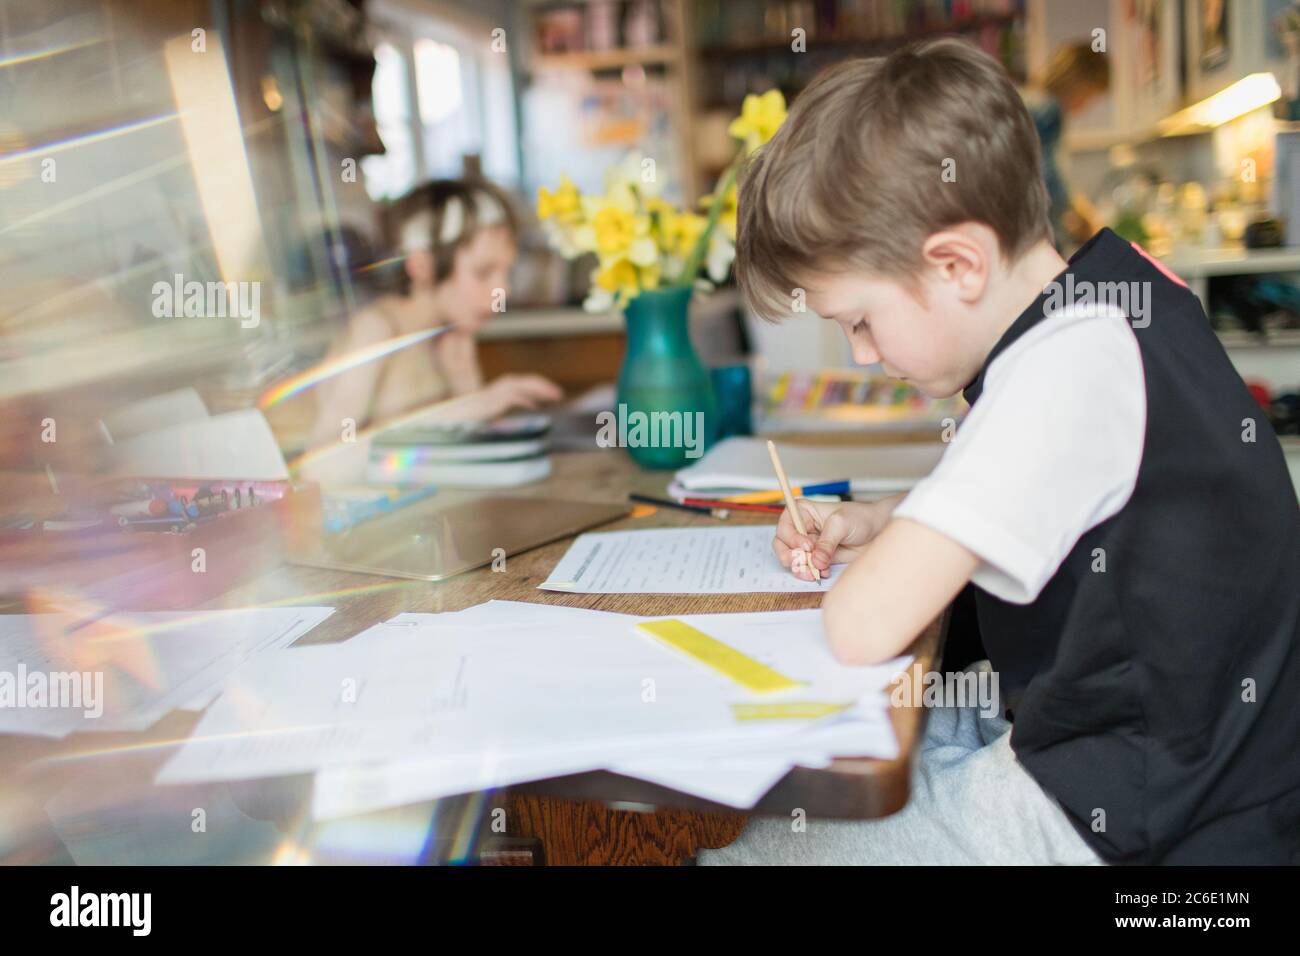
1139, 584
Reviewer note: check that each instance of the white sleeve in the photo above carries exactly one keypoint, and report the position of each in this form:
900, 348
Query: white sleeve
1050, 449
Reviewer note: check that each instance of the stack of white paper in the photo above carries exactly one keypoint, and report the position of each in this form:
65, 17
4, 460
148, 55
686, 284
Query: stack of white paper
61, 673
429, 705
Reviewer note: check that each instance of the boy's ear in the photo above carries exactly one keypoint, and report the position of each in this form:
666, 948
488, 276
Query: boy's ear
963, 256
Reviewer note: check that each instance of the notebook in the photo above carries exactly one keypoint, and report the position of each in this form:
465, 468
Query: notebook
741, 464
497, 454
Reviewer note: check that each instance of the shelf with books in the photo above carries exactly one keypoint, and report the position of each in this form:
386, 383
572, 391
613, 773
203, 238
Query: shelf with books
659, 54
621, 69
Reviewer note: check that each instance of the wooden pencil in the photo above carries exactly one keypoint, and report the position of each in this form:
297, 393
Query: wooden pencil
795, 516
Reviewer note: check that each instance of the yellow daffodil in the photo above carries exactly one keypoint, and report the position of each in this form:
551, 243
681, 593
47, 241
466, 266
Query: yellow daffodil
662, 208
686, 232
614, 228
644, 252
620, 275
726, 215
676, 232
640, 240
564, 204
759, 118
650, 276
728, 218
617, 282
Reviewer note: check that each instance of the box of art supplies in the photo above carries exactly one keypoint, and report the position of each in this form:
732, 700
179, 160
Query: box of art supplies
151, 543
847, 399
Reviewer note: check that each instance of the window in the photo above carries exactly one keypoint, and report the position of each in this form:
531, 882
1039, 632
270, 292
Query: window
440, 92
394, 172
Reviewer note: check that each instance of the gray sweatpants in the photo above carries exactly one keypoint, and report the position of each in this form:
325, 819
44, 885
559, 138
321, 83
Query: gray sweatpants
972, 802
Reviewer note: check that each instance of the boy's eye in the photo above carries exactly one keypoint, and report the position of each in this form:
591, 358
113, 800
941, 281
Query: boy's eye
860, 326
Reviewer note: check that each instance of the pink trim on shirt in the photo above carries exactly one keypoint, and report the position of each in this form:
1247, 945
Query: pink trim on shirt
1158, 264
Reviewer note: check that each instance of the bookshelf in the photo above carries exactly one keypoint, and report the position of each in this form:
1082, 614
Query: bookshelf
749, 46
628, 41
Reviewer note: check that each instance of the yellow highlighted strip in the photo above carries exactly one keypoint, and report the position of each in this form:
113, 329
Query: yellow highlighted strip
723, 658
787, 710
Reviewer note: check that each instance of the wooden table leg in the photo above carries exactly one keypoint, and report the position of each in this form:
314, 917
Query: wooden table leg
588, 832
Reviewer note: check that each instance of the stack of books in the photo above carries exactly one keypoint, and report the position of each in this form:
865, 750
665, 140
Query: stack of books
505, 452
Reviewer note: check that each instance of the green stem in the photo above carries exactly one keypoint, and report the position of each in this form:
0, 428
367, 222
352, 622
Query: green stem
691, 268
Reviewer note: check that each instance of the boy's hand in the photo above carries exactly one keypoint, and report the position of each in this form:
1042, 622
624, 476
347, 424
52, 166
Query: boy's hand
837, 533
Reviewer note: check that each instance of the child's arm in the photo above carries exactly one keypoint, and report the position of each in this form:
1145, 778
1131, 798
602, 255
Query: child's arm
457, 355
350, 393
906, 576
901, 574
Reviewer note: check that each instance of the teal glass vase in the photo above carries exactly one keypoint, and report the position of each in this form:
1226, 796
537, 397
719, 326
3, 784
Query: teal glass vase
667, 413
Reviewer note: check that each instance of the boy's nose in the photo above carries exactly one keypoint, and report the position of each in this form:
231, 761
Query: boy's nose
864, 354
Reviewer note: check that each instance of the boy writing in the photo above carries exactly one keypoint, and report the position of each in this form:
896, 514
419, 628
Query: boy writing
1116, 496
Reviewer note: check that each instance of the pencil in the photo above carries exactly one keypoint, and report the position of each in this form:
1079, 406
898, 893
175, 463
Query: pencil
718, 511
789, 503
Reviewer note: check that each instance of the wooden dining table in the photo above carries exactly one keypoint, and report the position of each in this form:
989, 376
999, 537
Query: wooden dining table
588, 818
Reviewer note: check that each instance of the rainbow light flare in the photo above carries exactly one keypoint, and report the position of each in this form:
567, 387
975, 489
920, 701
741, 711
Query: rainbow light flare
311, 377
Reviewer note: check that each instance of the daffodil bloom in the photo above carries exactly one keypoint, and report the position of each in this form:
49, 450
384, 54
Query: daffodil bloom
675, 231
614, 228
650, 276
686, 233
619, 275
727, 215
643, 252
640, 240
759, 118
564, 204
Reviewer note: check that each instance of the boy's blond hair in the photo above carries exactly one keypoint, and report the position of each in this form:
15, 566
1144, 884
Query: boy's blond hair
878, 154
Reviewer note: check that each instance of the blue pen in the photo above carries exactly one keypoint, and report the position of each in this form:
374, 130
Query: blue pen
827, 488
762, 497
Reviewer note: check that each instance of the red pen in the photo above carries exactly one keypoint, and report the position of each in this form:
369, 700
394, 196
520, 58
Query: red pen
733, 505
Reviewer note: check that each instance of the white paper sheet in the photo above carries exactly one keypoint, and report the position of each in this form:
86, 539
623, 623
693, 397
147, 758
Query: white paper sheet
735, 769
145, 663
737, 774
493, 613
678, 561
456, 692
